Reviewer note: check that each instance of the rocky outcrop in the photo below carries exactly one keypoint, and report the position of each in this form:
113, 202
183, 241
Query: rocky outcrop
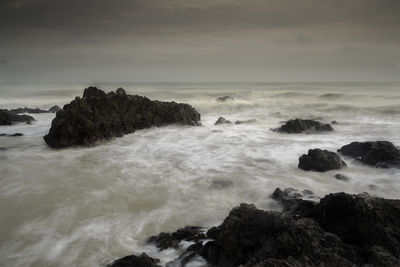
340, 230
98, 116
222, 120
224, 98
320, 160
54, 109
135, 261
9, 118
300, 126
381, 154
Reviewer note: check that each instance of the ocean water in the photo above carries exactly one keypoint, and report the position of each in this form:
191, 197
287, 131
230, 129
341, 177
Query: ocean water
89, 206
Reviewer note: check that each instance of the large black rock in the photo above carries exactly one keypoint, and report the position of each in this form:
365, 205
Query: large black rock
320, 160
28, 110
299, 126
381, 154
99, 116
340, 230
8, 118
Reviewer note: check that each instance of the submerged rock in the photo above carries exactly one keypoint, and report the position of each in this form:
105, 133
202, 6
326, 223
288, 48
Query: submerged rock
245, 121
98, 116
172, 240
8, 118
222, 120
54, 109
341, 177
136, 261
220, 184
299, 126
224, 98
381, 154
320, 160
341, 230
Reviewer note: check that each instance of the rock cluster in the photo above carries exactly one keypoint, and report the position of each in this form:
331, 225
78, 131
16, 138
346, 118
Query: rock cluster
320, 160
300, 126
98, 116
340, 230
8, 118
381, 154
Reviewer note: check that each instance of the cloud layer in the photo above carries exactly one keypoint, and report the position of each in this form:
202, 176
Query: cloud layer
192, 40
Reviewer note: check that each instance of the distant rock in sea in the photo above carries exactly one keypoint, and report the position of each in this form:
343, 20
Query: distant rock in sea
28, 110
341, 230
12, 135
98, 116
54, 109
320, 160
224, 98
222, 120
8, 118
300, 126
245, 121
381, 154
341, 177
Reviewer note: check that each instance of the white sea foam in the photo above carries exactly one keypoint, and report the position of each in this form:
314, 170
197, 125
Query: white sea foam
88, 206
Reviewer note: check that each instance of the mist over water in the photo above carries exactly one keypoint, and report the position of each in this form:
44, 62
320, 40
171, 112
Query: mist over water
89, 206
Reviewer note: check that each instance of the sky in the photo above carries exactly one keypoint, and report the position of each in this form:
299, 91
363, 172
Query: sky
199, 40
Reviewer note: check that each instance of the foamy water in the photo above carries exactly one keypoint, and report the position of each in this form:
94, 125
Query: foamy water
89, 206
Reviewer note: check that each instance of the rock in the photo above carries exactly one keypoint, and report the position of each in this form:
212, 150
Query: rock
343, 230
370, 223
254, 237
54, 109
381, 154
222, 120
8, 118
245, 121
136, 261
12, 135
98, 116
172, 240
320, 160
334, 122
27, 110
292, 203
220, 184
299, 126
224, 98
341, 177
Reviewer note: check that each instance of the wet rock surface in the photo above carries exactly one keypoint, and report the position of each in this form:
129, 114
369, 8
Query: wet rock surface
12, 135
245, 122
300, 126
341, 177
9, 118
340, 230
320, 160
98, 116
381, 154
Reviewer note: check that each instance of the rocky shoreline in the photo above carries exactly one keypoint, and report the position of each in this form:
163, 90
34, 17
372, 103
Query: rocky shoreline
339, 230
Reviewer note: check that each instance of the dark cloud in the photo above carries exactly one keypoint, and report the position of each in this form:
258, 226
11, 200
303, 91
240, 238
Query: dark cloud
192, 37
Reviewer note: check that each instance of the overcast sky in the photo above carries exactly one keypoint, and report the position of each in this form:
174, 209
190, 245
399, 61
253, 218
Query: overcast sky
199, 40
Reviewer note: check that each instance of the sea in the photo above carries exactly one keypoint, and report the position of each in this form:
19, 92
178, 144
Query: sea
87, 206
